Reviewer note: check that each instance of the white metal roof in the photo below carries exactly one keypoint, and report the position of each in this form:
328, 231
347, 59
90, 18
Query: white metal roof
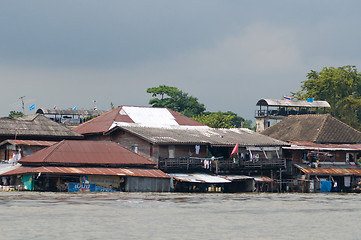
288, 103
199, 178
150, 116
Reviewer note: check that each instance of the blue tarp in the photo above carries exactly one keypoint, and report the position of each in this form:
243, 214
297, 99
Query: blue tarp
326, 186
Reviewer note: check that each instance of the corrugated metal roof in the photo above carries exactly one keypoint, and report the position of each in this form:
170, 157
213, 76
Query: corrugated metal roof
212, 136
237, 177
35, 125
135, 116
86, 152
199, 178
152, 173
303, 145
288, 103
6, 167
28, 142
263, 179
330, 171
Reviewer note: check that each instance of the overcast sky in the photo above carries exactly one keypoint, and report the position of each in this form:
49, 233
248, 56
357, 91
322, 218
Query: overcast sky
228, 54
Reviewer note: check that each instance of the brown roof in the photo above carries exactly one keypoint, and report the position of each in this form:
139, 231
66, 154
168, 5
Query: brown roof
35, 125
28, 142
318, 128
104, 122
152, 173
72, 152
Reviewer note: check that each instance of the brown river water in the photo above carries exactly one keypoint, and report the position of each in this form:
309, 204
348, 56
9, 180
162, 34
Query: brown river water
32, 215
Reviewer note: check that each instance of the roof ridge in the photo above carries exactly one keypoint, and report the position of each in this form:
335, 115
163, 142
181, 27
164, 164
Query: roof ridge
55, 148
322, 127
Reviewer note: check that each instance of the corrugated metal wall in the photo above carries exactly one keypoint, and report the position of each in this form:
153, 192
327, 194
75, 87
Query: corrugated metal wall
142, 184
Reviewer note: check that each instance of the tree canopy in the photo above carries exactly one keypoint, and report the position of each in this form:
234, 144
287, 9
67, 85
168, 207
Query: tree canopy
15, 114
216, 120
175, 99
340, 87
179, 101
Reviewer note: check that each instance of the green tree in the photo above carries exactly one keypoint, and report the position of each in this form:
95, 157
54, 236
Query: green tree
340, 87
15, 114
179, 101
239, 122
216, 120
175, 99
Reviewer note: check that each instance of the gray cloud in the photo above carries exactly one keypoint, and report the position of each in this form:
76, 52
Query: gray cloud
229, 54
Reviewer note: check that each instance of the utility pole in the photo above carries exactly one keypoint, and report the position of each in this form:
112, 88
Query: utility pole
22, 102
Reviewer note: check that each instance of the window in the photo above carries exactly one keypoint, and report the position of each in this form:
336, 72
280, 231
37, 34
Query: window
171, 151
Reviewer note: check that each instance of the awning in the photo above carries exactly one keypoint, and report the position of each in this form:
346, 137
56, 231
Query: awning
330, 171
152, 173
29, 142
263, 179
199, 178
238, 177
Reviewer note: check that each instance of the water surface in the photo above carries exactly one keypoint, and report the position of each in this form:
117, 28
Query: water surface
32, 215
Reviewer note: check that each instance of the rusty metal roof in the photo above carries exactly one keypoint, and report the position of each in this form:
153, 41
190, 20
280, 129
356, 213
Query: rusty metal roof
73, 152
137, 116
28, 142
152, 173
334, 171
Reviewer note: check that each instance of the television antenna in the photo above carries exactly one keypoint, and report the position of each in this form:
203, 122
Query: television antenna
22, 103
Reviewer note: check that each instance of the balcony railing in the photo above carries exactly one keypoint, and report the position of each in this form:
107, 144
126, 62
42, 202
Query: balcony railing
187, 163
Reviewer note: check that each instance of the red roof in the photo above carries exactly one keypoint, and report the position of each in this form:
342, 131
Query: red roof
99, 124
103, 122
86, 152
152, 173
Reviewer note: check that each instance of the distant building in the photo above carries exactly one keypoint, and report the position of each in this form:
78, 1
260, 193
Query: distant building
69, 117
273, 110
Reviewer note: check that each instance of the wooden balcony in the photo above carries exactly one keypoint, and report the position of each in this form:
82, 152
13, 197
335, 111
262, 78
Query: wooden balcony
197, 164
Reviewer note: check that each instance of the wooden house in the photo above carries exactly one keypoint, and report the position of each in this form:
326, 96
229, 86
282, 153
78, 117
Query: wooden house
180, 144
37, 130
322, 147
73, 165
